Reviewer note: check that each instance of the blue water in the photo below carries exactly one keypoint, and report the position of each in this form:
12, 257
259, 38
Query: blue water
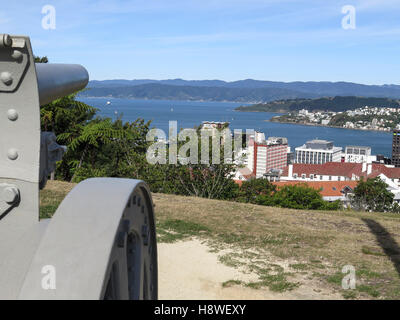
190, 114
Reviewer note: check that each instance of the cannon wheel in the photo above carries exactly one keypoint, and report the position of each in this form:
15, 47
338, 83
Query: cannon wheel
101, 244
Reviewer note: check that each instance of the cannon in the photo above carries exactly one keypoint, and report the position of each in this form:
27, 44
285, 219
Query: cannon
101, 242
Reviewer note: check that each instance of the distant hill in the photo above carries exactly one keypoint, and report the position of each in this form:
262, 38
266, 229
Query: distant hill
279, 90
158, 91
323, 104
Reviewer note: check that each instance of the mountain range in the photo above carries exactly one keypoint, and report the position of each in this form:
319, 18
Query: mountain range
249, 90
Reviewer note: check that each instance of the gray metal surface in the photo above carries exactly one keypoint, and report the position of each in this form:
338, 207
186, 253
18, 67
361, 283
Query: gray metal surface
19, 160
58, 80
89, 243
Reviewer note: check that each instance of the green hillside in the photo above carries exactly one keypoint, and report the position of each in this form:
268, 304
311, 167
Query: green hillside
322, 104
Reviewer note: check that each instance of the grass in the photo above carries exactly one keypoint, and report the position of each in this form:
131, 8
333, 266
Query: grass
299, 266
51, 197
284, 247
172, 230
369, 290
275, 282
372, 251
231, 283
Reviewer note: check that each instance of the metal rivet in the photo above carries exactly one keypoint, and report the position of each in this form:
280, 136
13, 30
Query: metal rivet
16, 55
10, 195
6, 78
12, 154
12, 114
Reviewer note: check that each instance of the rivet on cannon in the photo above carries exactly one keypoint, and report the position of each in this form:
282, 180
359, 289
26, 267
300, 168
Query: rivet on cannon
10, 195
17, 55
12, 114
6, 78
12, 154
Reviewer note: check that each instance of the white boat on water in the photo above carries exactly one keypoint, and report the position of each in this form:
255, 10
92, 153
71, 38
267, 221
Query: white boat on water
108, 103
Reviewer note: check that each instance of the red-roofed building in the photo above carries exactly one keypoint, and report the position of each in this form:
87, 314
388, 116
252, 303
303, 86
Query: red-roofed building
341, 171
329, 190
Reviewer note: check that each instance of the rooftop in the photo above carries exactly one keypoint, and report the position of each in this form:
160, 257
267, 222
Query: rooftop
317, 144
344, 169
359, 147
327, 188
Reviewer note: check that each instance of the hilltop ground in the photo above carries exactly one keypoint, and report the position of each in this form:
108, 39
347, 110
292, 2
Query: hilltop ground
211, 249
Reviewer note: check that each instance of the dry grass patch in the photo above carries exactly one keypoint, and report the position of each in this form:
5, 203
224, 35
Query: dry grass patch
285, 248
309, 244
51, 197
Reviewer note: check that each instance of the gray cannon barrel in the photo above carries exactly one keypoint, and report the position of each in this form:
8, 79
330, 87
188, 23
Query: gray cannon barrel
58, 80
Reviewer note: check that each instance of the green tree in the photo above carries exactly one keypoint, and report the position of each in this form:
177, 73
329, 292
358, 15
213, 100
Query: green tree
301, 196
66, 117
256, 191
87, 145
41, 60
372, 195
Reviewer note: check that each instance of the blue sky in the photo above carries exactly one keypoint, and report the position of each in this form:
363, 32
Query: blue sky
281, 40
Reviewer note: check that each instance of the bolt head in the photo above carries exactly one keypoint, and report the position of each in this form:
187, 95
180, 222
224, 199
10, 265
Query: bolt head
7, 40
12, 114
12, 154
6, 78
10, 195
17, 55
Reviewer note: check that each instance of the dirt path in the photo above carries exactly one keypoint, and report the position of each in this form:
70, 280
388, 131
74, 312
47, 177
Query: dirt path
188, 270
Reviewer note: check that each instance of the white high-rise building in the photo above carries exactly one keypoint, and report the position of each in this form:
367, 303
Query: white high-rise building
318, 152
357, 154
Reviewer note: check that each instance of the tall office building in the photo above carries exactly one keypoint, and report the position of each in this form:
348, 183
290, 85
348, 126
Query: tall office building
318, 152
396, 148
267, 155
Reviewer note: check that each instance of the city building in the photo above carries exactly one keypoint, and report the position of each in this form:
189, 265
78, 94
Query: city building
214, 125
243, 174
262, 156
273, 175
380, 158
329, 190
357, 154
396, 148
290, 156
215, 129
317, 152
339, 171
